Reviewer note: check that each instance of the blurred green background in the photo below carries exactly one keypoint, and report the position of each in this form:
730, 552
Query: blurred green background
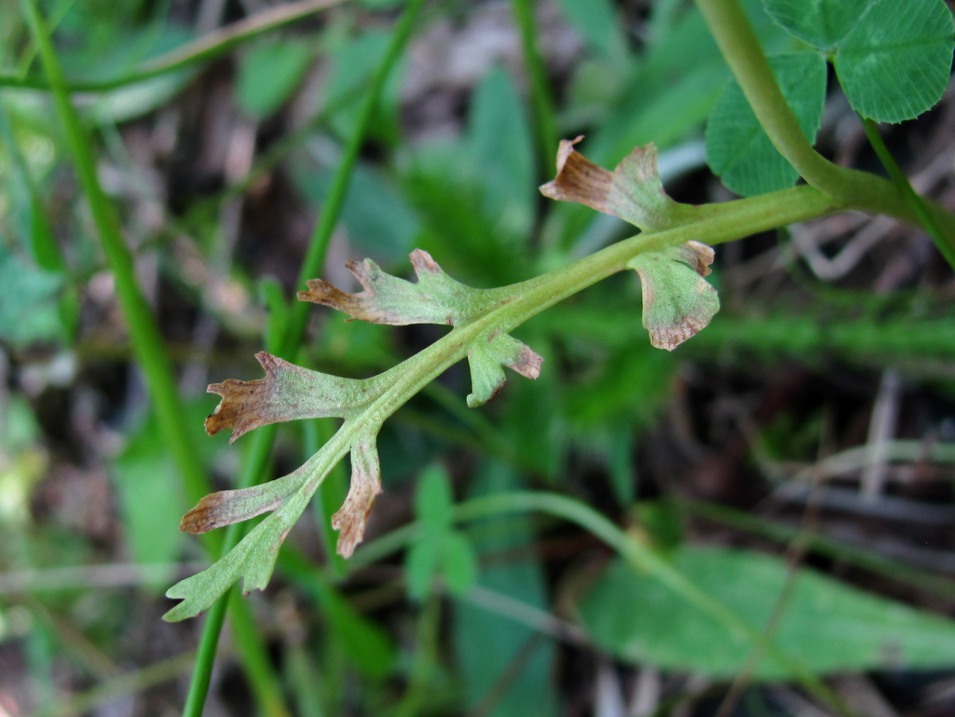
793, 461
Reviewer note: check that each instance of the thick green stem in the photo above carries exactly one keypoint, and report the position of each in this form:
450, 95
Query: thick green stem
743, 53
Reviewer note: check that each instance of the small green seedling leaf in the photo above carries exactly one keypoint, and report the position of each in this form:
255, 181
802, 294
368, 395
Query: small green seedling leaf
437, 549
421, 566
459, 563
632, 192
737, 147
677, 302
269, 74
433, 500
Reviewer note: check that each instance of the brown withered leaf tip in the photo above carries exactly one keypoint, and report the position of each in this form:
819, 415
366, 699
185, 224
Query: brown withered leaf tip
528, 363
202, 518
351, 518
384, 299
245, 404
578, 179
698, 256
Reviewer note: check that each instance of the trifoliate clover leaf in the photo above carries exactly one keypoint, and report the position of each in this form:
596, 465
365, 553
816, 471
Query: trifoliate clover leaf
677, 302
892, 57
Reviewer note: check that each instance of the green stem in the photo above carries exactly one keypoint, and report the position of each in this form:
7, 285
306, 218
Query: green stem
545, 121
207, 47
743, 53
944, 243
338, 191
148, 345
287, 342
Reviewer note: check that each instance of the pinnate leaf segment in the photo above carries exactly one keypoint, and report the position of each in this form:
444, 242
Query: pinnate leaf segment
677, 303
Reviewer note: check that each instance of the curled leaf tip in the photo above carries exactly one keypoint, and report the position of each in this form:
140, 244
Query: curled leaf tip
435, 298
365, 486
488, 356
286, 393
243, 402
578, 179
201, 518
633, 191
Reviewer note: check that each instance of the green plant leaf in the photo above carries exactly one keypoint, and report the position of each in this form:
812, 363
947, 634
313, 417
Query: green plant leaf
253, 559
269, 74
643, 621
459, 563
677, 302
28, 312
433, 499
437, 549
287, 393
632, 192
435, 298
821, 23
737, 148
892, 57
497, 655
421, 565
499, 142
894, 63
